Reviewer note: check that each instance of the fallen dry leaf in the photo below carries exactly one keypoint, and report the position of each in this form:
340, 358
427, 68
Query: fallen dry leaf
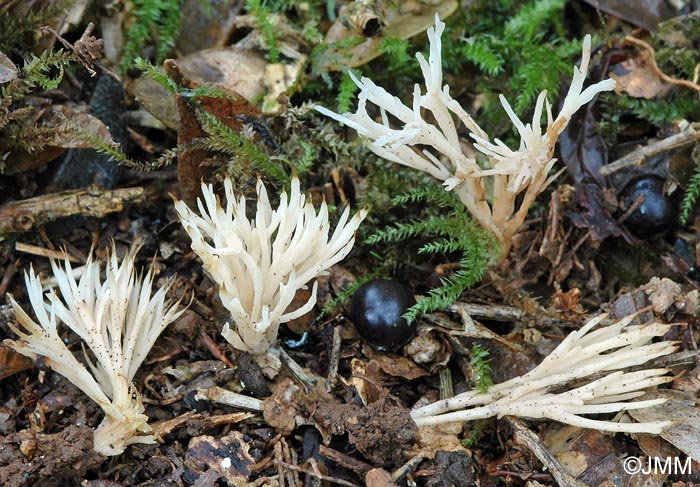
680, 408
12, 362
191, 167
637, 77
398, 22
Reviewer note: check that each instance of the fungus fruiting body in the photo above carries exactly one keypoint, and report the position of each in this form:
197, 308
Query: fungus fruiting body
259, 264
377, 310
426, 138
583, 354
117, 319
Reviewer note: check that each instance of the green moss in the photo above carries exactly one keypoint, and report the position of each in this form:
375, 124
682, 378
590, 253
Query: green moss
450, 231
152, 22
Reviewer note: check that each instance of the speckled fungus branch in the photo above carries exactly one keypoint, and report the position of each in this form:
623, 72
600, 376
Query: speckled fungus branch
259, 264
118, 320
582, 354
435, 147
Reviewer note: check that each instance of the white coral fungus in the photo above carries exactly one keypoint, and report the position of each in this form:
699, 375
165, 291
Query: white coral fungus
435, 147
118, 320
582, 354
259, 264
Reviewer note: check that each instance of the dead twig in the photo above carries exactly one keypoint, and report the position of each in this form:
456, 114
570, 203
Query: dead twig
407, 467
220, 395
494, 312
344, 460
334, 360
22, 216
286, 461
44, 252
87, 49
638, 156
525, 436
8, 275
317, 474
307, 380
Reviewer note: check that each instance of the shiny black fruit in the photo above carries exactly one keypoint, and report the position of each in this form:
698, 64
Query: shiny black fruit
376, 311
656, 214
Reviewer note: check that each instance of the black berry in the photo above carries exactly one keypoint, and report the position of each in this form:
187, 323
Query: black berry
656, 213
376, 311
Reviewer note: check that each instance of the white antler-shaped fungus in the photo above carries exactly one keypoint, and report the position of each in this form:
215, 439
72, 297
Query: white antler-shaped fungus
435, 147
118, 320
582, 354
259, 264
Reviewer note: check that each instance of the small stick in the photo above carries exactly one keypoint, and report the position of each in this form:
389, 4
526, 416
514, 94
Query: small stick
344, 460
215, 350
220, 395
25, 215
44, 252
87, 49
638, 156
525, 436
164, 427
674, 81
406, 468
489, 311
8, 275
446, 388
317, 474
332, 378
307, 380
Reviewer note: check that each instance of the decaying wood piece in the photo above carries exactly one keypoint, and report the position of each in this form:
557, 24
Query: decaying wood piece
25, 215
642, 154
527, 437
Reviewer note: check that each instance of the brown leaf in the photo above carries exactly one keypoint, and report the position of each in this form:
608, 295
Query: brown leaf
597, 217
643, 13
395, 365
62, 127
12, 362
206, 24
590, 455
680, 408
637, 77
191, 167
8, 70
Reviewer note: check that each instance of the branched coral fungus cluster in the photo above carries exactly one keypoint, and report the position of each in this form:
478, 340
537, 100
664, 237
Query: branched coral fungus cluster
260, 264
118, 320
582, 354
521, 173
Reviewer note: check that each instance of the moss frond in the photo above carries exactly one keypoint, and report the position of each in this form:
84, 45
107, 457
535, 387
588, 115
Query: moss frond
263, 16
346, 93
480, 50
480, 368
18, 131
453, 232
18, 32
693, 191
153, 22
533, 17
247, 152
